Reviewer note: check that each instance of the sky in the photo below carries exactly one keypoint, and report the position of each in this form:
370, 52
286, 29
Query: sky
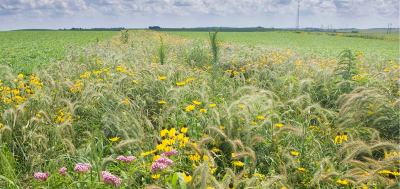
56, 14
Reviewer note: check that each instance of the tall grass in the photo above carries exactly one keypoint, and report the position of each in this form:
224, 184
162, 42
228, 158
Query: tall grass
278, 112
214, 50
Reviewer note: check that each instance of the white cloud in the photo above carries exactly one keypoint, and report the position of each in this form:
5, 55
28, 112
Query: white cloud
218, 12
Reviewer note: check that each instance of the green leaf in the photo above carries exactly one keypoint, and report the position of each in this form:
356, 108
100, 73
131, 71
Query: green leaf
174, 179
182, 181
8, 180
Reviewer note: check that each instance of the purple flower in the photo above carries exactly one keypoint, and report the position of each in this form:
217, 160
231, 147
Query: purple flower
126, 158
120, 158
164, 160
161, 163
82, 167
41, 176
108, 177
170, 153
63, 171
157, 165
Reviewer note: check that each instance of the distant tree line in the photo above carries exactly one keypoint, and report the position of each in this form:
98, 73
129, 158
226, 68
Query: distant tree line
154, 27
222, 29
94, 29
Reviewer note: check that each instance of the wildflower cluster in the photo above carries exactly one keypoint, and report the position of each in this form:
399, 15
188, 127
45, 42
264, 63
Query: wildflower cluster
109, 178
127, 159
83, 168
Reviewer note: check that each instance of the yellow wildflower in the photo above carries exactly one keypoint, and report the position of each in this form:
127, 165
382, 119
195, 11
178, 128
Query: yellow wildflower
195, 157
241, 106
135, 82
222, 127
162, 77
237, 163
180, 84
196, 102
344, 182
114, 139
168, 148
212, 105
344, 137
189, 108
160, 146
187, 177
301, 169
203, 110
156, 176
338, 139
216, 150
184, 129
279, 124
188, 80
294, 153
163, 132
180, 136
260, 117
147, 153
258, 175
21, 76
156, 157
384, 172
172, 131
161, 102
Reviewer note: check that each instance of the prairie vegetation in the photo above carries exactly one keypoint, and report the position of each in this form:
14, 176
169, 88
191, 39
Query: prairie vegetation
212, 115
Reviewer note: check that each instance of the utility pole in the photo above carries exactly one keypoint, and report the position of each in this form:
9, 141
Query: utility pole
298, 15
387, 31
390, 29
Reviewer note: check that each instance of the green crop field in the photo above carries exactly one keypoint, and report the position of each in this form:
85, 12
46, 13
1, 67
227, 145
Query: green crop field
310, 44
24, 51
177, 110
383, 32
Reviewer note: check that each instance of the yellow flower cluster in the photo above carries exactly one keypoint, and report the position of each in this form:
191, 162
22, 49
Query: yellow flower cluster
171, 138
339, 138
344, 182
387, 172
62, 117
